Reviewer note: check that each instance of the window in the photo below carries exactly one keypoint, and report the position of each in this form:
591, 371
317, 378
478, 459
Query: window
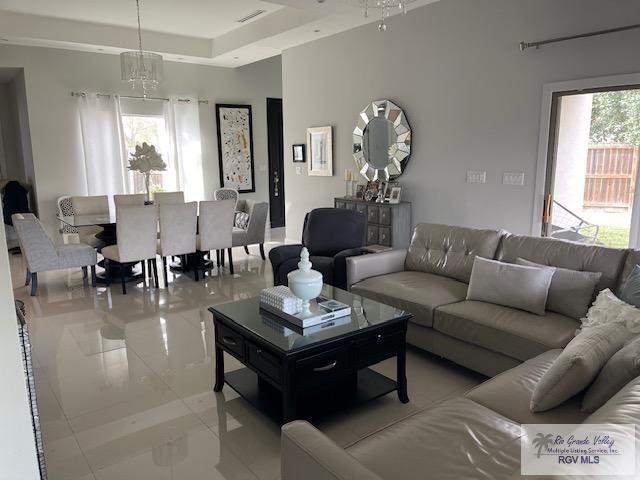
150, 129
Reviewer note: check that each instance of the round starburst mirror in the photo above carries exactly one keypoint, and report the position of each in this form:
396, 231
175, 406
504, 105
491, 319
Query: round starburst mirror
382, 141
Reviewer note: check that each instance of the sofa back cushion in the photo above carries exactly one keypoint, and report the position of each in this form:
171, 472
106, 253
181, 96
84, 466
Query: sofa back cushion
450, 251
623, 407
564, 254
632, 259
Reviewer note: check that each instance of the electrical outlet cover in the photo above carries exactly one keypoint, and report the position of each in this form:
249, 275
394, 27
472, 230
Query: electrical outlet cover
476, 177
513, 178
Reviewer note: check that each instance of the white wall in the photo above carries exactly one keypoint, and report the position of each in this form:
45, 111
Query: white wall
472, 98
17, 446
50, 76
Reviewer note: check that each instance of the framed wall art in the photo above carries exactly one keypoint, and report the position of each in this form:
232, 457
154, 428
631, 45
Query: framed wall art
298, 153
235, 147
320, 151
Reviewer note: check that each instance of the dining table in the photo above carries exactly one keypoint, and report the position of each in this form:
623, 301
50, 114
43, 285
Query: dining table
109, 236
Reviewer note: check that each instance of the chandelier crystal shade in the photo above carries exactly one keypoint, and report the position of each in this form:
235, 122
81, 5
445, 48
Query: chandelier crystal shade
141, 69
385, 8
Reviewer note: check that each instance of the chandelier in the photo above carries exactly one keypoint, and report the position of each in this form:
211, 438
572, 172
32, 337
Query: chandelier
139, 68
385, 8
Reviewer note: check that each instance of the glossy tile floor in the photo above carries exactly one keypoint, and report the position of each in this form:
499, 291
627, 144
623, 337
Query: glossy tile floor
125, 382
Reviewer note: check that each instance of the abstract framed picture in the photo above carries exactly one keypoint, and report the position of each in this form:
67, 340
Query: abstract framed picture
235, 147
298, 153
319, 148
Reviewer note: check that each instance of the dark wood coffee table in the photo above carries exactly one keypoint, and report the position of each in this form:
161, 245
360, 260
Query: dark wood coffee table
290, 374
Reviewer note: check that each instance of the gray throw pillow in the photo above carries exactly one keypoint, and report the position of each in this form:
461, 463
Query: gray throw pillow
623, 367
577, 365
630, 291
571, 291
510, 285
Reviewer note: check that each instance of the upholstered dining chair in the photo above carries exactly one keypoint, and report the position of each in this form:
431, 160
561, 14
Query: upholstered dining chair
137, 231
91, 205
177, 232
215, 229
254, 231
40, 254
129, 200
65, 208
167, 198
226, 194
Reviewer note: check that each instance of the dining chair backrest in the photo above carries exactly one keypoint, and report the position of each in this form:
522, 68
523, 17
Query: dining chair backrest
129, 200
65, 208
226, 194
178, 228
137, 231
94, 205
167, 198
215, 224
37, 248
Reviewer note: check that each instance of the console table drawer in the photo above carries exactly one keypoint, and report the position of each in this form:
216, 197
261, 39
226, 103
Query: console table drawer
385, 215
324, 366
384, 236
230, 340
373, 213
340, 204
265, 362
374, 349
361, 208
372, 234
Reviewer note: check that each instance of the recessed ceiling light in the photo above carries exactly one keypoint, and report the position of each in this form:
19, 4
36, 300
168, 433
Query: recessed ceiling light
317, 31
180, 58
101, 49
236, 58
5, 39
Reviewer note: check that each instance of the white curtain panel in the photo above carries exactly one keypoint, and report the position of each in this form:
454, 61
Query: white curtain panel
104, 150
182, 119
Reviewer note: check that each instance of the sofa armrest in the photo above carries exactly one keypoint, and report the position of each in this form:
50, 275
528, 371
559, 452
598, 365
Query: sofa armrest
365, 266
340, 266
308, 454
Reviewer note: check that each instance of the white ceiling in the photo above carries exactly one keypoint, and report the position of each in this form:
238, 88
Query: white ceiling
196, 31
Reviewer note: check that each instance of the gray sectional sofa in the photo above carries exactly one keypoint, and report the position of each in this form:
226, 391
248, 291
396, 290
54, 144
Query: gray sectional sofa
477, 435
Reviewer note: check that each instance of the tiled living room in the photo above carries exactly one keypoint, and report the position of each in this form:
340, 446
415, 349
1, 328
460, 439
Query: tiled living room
320, 240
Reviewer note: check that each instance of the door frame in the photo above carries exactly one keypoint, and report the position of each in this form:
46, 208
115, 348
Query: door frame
547, 137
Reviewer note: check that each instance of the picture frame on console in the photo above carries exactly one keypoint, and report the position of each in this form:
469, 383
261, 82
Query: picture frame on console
235, 147
299, 153
396, 194
320, 149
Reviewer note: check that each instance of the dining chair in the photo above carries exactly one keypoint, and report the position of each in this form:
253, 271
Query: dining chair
40, 254
90, 205
167, 198
136, 229
129, 200
215, 229
65, 208
254, 231
177, 232
226, 194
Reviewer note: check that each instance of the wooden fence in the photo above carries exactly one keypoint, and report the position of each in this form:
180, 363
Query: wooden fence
611, 175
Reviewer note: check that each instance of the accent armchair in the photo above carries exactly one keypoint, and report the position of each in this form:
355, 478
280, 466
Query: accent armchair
331, 235
40, 254
254, 232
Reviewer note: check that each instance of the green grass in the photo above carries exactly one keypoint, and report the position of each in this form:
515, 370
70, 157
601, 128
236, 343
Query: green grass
611, 236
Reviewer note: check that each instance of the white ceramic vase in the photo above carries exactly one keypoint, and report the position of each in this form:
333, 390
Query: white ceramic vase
305, 283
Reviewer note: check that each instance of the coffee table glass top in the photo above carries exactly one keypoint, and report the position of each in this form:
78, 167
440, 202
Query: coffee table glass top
365, 313
88, 220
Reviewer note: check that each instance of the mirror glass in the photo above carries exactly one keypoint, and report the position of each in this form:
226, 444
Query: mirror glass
382, 141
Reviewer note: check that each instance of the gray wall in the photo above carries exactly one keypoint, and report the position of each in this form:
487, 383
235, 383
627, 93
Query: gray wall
472, 98
50, 75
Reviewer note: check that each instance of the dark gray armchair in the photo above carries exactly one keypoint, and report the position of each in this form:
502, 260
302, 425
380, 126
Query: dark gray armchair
331, 235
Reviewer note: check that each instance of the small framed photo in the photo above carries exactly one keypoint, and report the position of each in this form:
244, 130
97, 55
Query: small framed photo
320, 148
372, 191
360, 189
396, 193
298, 153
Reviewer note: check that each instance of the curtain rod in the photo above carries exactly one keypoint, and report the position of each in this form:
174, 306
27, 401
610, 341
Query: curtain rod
161, 99
525, 45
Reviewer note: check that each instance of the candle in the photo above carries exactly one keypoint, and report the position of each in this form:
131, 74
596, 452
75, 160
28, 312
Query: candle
346, 175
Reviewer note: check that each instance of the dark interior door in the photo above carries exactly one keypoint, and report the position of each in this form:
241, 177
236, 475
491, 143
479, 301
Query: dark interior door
276, 162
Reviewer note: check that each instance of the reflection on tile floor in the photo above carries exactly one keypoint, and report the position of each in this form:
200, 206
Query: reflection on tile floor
124, 382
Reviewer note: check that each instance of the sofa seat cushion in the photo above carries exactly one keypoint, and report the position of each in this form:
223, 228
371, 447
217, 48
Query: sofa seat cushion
416, 292
510, 393
76, 255
515, 333
455, 439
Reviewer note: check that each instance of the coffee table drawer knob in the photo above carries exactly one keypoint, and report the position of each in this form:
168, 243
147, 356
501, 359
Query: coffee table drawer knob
229, 340
327, 367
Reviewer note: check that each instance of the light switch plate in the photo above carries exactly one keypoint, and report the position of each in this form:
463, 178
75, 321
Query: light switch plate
476, 176
513, 178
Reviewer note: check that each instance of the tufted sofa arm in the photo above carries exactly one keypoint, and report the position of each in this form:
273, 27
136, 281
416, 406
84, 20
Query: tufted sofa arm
307, 454
365, 266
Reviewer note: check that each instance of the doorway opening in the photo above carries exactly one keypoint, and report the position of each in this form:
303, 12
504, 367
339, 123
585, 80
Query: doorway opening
592, 168
276, 162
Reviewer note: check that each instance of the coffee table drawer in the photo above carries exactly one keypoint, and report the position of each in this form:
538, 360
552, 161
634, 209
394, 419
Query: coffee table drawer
230, 340
324, 365
264, 362
378, 347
